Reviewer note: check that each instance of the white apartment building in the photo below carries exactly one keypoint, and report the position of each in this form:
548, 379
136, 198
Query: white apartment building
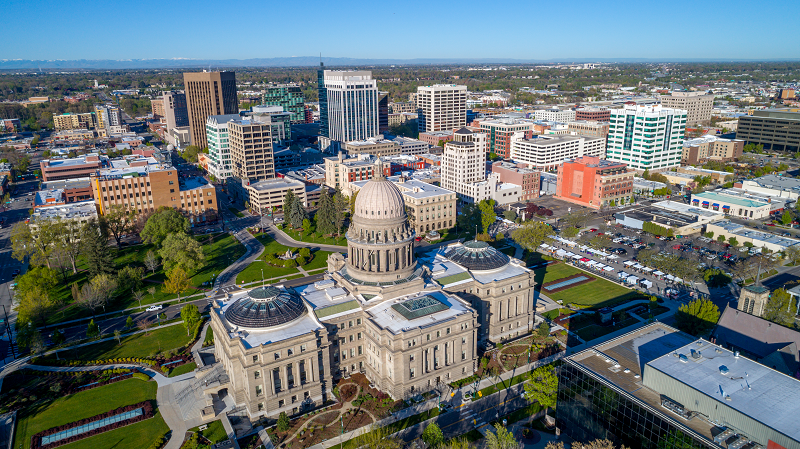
219, 152
555, 115
698, 105
441, 107
646, 136
464, 166
412, 146
549, 152
352, 105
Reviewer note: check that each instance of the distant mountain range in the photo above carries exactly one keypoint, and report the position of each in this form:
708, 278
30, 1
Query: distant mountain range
306, 61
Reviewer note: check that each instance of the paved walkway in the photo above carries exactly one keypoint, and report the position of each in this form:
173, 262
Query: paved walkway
253, 248
284, 239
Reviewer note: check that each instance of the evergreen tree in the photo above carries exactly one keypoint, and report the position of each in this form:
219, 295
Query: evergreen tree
341, 204
95, 249
297, 213
326, 215
288, 204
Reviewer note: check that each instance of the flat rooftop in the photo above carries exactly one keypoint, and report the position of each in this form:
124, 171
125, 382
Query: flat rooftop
684, 208
775, 182
766, 237
66, 211
412, 188
276, 183
49, 196
388, 317
714, 197
65, 184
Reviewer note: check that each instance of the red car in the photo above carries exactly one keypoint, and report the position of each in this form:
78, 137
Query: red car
593, 230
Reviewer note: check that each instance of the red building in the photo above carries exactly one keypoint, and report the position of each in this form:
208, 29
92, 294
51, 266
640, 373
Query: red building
309, 115
593, 114
593, 182
528, 179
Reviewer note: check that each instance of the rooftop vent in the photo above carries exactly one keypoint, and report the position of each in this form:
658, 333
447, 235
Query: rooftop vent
683, 358
723, 370
695, 354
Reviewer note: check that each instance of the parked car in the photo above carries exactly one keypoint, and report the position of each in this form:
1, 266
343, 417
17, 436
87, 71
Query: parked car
155, 308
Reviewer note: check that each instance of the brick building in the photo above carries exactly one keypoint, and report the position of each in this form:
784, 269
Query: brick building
593, 182
79, 167
524, 177
593, 114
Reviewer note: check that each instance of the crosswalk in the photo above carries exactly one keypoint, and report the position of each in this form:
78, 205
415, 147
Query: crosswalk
468, 414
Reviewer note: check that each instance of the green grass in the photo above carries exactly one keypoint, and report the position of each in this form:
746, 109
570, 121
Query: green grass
221, 252
236, 212
85, 404
182, 369
215, 432
315, 238
137, 345
398, 426
209, 340
595, 294
253, 271
503, 384
520, 414
472, 436
320, 260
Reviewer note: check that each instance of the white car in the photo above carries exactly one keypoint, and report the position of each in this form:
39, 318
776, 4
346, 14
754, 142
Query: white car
154, 308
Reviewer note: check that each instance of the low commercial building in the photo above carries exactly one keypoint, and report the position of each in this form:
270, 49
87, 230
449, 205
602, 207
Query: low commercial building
77, 214
403, 117
776, 204
548, 153
75, 189
267, 195
429, 207
732, 205
526, 178
373, 145
555, 115
587, 128
776, 129
702, 149
598, 114
341, 171
743, 234
773, 186
10, 125
436, 138
656, 386
717, 176
314, 174
681, 218
595, 183
73, 135
78, 167
643, 186
411, 146
698, 105
406, 106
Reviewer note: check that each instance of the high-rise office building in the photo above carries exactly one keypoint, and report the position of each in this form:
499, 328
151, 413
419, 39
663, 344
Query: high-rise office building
323, 101
646, 136
175, 110
289, 97
207, 94
441, 107
501, 131
464, 165
776, 129
383, 112
220, 164
281, 122
348, 105
697, 105
250, 144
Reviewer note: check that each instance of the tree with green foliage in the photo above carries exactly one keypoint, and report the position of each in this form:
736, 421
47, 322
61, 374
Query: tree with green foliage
509, 215
709, 234
569, 232
129, 278
41, 278
95, 249
721, 238
793, 254
283, 422
532, 234
190, 153
129, 322
307, 226
190, 315
33, 306
542, 386
543, 330
325, 217
118, 222
37, 248
786, 218
341, 205
733, 242
697, 317
715, 277
488, 216
432, 435
501, 439
163, 222
181, 250
92, 330
781, 308
177, 282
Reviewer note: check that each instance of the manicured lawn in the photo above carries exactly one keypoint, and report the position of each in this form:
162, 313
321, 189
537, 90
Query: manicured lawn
137, 345
320, 260
253, 272
503, 384
183, 369
236, 212
315, 238
596, 294
214, 432
209, 340
220, 251
399, 425
64, 410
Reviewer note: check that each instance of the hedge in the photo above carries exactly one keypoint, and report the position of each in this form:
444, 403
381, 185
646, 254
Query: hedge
149, 412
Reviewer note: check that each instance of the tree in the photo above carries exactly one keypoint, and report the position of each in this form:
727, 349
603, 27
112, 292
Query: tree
325, 217
37, 248
151, 261
487, 214
163, 222
288, 203
599, 242
152, 291
379, 438
578, 219
306, 225
118, 221
95, 249
283, 422
432, 435
710, 234
697, 316
67, 240
532, 234
138, 295
144, 325
543, 330
33, 305
569, 232
92, 330
293, 210
103, 285
502, 439
177, 281
118, 336
129, 322
781, 308
191, 317
41, 278
793, 254
180, 250
340, 204
509, 215
130, 278
715, 277
190, 153
733, 242
542, 386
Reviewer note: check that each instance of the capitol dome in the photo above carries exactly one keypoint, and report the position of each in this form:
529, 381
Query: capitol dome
265, 307
477, 256
380, 199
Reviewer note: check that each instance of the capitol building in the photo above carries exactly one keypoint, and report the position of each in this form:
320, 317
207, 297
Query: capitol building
409, 321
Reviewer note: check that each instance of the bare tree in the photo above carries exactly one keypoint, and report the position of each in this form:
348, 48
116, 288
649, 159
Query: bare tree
118, 336
144, 325
103, 285
89, 298
138, 295
152, 291
151, 261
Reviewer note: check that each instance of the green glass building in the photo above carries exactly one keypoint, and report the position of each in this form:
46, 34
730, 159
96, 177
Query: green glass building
290, 97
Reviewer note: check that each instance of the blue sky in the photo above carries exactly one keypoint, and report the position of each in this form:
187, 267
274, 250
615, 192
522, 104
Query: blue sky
145, 29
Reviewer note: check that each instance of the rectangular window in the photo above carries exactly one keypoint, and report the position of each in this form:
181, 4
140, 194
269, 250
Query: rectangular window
358, 321
257, 374
258, 390
255, 358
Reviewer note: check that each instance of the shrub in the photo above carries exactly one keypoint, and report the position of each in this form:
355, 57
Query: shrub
141, 376
290, 263
305, 252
